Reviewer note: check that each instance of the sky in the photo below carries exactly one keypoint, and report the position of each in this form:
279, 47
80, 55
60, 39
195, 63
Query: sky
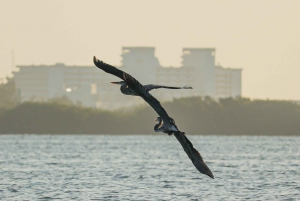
261, 37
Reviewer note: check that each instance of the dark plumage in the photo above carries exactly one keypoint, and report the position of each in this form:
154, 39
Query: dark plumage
188, 147
130, 86
160, 126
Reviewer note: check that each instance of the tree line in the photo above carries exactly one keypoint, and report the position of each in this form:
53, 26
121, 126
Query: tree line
193, 115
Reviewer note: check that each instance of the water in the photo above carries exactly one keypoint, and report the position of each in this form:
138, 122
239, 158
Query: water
141, 167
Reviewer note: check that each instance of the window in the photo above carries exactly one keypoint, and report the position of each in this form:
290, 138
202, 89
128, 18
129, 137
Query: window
186, 52
93, 89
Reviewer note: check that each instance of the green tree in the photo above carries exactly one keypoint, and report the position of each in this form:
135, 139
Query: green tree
193, 115
9, 95
63, 100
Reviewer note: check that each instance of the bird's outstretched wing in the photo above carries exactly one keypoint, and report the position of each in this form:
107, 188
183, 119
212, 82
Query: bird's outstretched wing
108, 68
193, 154
149, 87
155, 104
131, 81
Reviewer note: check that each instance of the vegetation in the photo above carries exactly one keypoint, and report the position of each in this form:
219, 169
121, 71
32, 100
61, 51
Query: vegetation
194, 115
9, 95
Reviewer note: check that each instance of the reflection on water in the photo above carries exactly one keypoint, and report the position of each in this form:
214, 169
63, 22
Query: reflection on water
140, 167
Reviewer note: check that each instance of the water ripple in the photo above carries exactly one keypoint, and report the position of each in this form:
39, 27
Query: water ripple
139, 167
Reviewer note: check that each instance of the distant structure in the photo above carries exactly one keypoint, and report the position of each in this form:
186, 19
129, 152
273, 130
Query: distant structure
88, 86
2, 80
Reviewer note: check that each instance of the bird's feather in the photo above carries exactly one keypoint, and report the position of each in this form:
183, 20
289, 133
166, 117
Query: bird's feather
108, 68
193, 154
155, 104
149, 87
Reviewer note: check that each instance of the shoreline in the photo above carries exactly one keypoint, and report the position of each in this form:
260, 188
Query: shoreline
143, 134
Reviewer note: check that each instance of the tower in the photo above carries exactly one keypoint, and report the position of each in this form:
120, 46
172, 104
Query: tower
141, 63
203, 62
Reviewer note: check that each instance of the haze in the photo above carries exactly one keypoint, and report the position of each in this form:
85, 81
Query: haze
261, 37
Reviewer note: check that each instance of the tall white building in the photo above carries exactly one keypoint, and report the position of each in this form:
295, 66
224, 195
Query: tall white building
91, 87
228, 82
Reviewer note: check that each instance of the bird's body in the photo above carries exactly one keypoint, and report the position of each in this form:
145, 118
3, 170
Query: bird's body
160, 127
130, 86
126, 90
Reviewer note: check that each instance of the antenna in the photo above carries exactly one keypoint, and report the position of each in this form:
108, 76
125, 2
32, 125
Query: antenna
12, 60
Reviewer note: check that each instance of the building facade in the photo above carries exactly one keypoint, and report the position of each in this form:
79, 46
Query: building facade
89, 86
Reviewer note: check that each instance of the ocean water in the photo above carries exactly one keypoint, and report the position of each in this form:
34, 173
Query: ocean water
143, 167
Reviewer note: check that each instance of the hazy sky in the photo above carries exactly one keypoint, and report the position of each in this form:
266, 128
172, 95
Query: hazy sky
261, 37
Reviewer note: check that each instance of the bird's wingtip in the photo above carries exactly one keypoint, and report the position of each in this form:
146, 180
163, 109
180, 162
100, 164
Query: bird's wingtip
210, 174
187, 87
96, 61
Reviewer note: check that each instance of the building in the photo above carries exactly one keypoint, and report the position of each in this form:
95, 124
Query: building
89, 86
2, 80
228, 82
79, 83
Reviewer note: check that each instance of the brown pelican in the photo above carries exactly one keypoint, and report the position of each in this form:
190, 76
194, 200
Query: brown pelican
130, 86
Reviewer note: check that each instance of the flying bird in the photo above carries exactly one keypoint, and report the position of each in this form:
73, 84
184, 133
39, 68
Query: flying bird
131, 86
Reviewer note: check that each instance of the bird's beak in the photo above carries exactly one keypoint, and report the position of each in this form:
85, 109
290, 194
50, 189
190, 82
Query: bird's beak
117, 83
156, 119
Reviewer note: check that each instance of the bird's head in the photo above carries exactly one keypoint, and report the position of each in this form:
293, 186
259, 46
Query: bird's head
119, 83
157, 119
